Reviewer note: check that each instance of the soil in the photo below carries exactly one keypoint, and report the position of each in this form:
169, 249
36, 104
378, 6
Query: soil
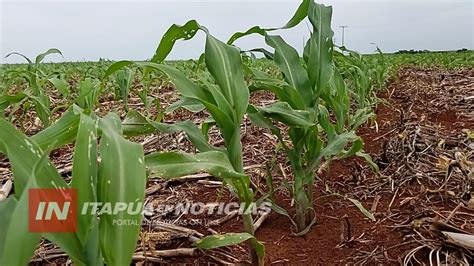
421, 122
342, 233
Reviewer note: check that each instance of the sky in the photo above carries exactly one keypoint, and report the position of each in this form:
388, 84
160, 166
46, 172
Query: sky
87, 30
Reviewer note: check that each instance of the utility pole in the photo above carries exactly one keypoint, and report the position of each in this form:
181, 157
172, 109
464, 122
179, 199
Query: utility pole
343, 28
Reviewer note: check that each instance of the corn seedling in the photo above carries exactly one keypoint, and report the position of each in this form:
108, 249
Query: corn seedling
36, 81
358, 73
380, 70
124, 78
226, 100
311, 88
96, 240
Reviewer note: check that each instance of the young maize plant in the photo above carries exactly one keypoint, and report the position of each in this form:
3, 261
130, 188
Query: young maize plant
380, 70
89, 91
36, 81
124, 79
312, 87
117, 178
226, 100
356, 70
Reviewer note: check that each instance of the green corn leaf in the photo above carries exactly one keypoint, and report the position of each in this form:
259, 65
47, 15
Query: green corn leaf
297, 17
297, 136
268, 55
174, 164
356, 147
288, 60
189, 104
117, 66
229, 239
283, 112
314, 143
339, 102
325, 122
221, 101
282, 211
368, 159
92, 245
124, 80
337, 144
121, 179
88, 93
24, 155
262, 75
7, 100
84, 171
360, 117
40, 57
186, 87
284, 92
206, 126
253, 30
174, 33
84, 179
60, 133
135, 124
216, 163
224, 63
217, 241
260, 120
42, 104
14, 224
61, 85
22, 55
320, 46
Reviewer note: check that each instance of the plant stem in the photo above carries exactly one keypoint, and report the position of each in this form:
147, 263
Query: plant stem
236, 159
301, 199
249, 228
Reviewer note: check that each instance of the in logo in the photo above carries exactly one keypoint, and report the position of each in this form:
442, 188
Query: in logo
52, 210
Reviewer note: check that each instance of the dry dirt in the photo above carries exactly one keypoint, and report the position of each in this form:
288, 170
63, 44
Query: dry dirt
420, 142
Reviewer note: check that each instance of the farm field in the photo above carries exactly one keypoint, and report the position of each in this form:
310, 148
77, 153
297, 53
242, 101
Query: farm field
342, 158
424, 121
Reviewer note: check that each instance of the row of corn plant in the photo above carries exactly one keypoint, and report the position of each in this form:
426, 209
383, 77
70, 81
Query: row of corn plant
312, 92
313, 89
35, 92
97, 239
86, 93
225, 96
307, 95
360, 78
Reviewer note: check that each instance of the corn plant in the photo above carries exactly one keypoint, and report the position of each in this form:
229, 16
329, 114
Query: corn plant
226, 99
124, 80
36, 81
380, 70
312, 87
118, 177
89, 91
358, 72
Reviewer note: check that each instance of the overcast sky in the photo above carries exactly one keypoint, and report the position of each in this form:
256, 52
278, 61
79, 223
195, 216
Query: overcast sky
87, 30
